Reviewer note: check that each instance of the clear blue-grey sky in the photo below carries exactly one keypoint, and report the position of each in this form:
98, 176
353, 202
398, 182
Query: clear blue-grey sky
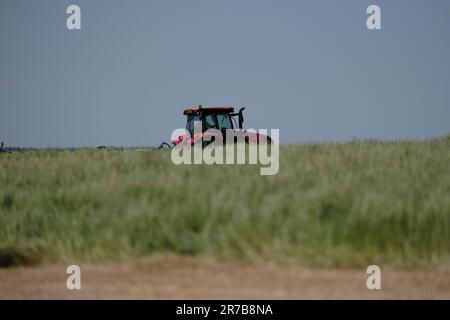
310, 68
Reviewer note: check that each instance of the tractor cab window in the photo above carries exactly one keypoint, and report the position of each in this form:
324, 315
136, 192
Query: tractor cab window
234, 121
210, 122
192, 121
224, 121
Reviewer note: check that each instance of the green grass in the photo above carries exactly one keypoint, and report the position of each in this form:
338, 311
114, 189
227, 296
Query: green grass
330, 205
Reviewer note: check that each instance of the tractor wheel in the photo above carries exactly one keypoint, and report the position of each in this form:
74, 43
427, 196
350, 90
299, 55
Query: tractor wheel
268, 141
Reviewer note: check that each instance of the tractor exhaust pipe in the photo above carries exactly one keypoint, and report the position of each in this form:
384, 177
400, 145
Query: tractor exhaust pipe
241, 117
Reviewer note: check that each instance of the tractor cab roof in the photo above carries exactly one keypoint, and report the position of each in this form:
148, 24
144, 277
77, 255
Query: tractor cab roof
207, 109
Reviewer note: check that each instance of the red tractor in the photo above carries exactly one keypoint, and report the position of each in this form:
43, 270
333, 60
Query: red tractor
219, 118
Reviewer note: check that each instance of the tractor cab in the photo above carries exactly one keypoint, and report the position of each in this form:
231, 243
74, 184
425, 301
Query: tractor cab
220, 118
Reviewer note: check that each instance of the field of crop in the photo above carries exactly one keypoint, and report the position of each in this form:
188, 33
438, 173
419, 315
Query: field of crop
331, 205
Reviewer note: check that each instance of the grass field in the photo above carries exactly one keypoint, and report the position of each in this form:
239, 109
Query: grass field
331, 205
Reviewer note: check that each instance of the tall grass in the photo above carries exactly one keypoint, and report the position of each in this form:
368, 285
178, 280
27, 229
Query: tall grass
330, 205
